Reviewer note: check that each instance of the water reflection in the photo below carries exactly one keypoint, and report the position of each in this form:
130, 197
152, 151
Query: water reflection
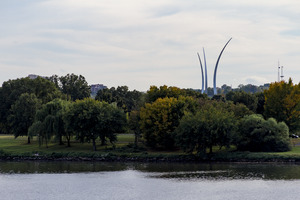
210, 175
181, 171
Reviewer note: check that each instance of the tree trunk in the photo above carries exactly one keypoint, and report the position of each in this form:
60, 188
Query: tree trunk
103, 142
28, 142
210, 149
136, 139
60, 140
68, 141
94, 144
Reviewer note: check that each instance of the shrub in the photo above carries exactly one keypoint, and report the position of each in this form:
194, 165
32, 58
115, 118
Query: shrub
257, 134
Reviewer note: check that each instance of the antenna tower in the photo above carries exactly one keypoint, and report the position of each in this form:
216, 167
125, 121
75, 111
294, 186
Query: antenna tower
281, 73
278, 78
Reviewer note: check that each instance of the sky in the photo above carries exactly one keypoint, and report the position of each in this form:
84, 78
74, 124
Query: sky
142, 43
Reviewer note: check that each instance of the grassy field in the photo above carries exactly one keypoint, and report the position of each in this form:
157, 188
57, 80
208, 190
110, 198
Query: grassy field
16, 147
19, 145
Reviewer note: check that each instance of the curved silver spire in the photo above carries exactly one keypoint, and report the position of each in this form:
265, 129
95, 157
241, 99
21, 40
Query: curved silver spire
201, 73
215, 73
205, 72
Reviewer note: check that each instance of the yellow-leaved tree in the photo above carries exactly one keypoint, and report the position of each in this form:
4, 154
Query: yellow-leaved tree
282, 102
159, 119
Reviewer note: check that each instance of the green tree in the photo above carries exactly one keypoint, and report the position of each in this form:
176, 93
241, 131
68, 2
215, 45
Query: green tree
50, 116
11, 90
239, 110
115, 122
249, 88
193, 93
65, 116
260, 103
218, 97
74, 86
125, 99
225, 89
210, 126
37, 129
45, 90
257, 134
133, 123
22, 114
49, 122
90, 119
249, 100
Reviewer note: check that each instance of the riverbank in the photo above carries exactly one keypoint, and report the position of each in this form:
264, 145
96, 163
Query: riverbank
17, 150
145, 157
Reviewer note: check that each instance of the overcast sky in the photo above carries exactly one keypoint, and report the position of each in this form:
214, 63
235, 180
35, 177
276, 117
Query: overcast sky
141, 43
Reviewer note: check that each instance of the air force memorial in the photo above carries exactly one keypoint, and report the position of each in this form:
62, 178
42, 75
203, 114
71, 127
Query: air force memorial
215, 71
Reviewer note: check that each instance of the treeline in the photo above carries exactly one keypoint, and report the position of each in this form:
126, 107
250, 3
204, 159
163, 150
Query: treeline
249, 88
174, 118
60, 108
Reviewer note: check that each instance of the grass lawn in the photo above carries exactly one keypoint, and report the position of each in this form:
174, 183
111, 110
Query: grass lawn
19, 146
295, 143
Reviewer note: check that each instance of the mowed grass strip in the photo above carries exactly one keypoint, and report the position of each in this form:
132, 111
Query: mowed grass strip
19, 145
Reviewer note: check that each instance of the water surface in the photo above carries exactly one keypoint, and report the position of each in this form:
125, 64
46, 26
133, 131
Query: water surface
83, 180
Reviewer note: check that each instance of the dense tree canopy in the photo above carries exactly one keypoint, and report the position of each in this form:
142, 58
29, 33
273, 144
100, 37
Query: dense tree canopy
49, 121
90, 119
125, 99
260, 102
212, 125
248, 99
239, 110
163, 117
249, 88
133, 123
22, 114
11, 90
164, 91
74, 86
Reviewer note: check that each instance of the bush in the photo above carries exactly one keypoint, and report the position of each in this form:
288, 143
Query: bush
257, 134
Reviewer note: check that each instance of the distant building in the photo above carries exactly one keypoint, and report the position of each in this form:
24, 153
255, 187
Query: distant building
34, 76
96, 87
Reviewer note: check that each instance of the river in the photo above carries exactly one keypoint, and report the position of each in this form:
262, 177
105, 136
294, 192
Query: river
147, 181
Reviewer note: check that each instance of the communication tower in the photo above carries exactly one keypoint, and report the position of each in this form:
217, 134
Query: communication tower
280, 75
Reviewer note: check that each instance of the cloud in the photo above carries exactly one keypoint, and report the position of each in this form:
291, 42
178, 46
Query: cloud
139, 43
291, 32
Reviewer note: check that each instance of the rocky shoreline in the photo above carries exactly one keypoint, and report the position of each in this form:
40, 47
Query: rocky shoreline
234, 157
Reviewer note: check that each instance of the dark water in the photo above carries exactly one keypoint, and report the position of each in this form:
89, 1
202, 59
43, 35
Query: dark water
83, 180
